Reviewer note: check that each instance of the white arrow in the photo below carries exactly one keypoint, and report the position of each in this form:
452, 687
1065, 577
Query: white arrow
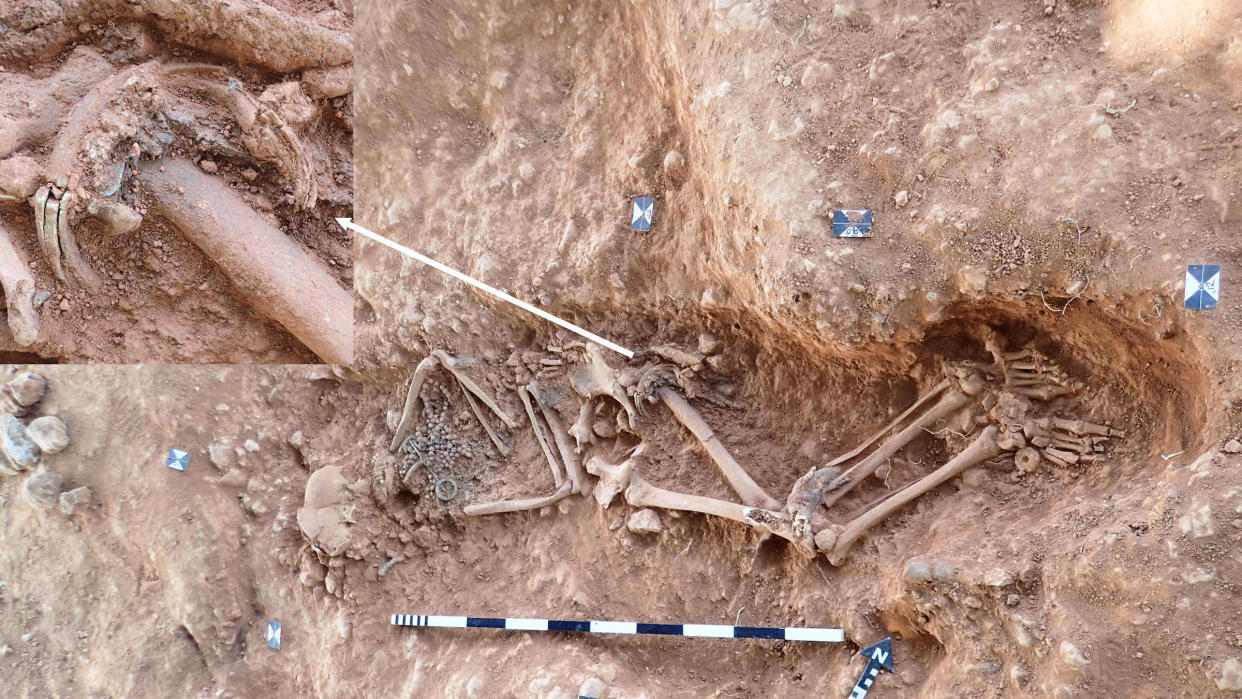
349, 225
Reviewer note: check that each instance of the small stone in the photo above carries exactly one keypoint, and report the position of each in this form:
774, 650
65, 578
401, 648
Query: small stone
64, 304
825, 539
991, 85
1233, 446
209, 167
1013, 600
1230, 675
49, 434
944, 572
25, 389
297, 440
918, 572
1072, 656
709, 344
902, 198
250, 445
645, 521
74, 501
20, 453
424, 537
44, 489
593, 687
220, 454
249, 174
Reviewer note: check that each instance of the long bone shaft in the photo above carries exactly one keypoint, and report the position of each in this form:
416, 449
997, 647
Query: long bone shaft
640, 493
573, 468
558, 477
492, 508
738, 479
983, 448
478, 414
406, 424
836, 487
452, 365
935, 391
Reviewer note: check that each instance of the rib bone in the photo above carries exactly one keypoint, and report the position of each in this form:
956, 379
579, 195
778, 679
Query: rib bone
491, 508
501, 445
984, 447
738, 479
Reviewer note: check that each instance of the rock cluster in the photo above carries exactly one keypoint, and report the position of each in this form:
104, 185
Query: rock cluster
23, 446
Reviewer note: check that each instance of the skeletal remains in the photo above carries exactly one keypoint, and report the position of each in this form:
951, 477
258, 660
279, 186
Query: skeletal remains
994, 412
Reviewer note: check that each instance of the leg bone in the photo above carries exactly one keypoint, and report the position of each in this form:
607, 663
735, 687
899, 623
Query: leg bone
738, 479
828, 487
19, 289
640, 493
572, 468
985, 446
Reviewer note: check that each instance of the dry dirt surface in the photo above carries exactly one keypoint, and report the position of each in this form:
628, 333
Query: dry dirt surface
1041, 174
100, 97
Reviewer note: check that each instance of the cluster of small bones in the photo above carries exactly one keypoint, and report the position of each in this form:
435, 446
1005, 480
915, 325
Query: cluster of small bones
998, 414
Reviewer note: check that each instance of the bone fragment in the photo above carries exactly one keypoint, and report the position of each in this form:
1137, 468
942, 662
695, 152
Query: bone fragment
19, 290
558, 477
984, 447
583, 430
453, 365
594, 377
640, 493
569, 457
738, 479
1027, 459
82, 71
827, 488
935, 391
613, 478
118, 218
267, 267
1061, 456
491, 508
501, 446
408, 413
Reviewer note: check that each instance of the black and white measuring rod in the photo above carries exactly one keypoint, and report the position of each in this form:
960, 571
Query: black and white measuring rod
792, 633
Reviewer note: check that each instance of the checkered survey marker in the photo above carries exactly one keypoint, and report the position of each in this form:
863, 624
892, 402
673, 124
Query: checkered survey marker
821, 635
640, 217
851, 223
272, 634
178, 460
1202, 287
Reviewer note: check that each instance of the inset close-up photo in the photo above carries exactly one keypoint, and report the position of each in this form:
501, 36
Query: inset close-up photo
170, 173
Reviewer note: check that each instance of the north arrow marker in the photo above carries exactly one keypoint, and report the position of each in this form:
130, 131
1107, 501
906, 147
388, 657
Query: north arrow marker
880, 656
349, 225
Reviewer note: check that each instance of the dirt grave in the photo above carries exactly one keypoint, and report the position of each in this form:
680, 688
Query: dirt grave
98, 98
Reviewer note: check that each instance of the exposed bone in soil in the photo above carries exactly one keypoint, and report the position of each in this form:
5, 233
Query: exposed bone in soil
94, 89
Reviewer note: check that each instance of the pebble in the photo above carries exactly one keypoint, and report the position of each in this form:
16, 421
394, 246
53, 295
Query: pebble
592, 687
918, 571
1230, 675
25, 390
49, 434
250, 445
44, 489
645, 521
1072, 656
902, 198
74, 501
209, 167
20, 453
1233, 446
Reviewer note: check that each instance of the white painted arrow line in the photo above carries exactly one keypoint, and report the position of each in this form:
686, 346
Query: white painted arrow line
348, 224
